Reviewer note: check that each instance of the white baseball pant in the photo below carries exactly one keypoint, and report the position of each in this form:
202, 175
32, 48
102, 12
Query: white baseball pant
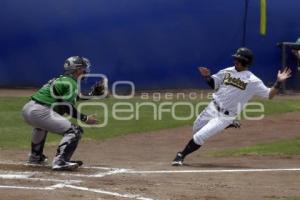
210, 122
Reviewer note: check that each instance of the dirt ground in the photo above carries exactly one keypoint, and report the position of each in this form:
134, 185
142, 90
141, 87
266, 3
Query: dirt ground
138, 166
16, 92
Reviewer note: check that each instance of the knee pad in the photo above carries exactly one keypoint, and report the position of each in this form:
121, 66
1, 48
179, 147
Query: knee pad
77, 131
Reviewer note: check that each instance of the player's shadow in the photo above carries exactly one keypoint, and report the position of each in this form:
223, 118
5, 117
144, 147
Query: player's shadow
216, 165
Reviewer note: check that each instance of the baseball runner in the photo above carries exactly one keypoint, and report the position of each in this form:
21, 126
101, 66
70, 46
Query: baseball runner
234, 86
44, 112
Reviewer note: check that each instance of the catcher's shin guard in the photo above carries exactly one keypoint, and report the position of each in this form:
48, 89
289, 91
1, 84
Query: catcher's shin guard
69, 143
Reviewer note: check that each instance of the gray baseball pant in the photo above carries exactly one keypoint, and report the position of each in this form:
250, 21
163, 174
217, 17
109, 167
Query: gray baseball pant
43, 120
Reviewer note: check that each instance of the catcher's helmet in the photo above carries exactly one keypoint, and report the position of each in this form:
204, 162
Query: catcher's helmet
76, 62
244, 55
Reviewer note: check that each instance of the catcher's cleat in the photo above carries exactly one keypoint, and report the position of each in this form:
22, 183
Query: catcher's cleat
178, 160
79, 162
61, 165
37, 159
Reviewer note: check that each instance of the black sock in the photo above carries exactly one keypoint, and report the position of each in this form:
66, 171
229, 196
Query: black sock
190, 147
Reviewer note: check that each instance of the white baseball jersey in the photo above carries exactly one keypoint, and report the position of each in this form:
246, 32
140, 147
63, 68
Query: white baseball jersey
235, 89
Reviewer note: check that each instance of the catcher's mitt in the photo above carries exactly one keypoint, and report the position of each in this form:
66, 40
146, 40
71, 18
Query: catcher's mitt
99, 88
234, 124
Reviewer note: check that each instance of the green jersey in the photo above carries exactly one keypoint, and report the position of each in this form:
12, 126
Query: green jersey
63, 88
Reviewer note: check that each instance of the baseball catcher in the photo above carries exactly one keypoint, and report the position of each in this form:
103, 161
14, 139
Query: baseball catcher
234, 86
46, 109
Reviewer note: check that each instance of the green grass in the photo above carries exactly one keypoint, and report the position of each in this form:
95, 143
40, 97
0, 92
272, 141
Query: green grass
277, 106
290, 198
14, 133
281, 147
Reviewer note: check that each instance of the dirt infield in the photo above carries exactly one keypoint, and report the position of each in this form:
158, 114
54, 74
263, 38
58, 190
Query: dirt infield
137, 166
16, 92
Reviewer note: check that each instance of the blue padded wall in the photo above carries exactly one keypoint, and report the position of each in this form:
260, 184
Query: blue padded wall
154, 43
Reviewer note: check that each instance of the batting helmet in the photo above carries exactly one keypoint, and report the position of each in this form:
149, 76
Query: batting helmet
76, 62
244, 55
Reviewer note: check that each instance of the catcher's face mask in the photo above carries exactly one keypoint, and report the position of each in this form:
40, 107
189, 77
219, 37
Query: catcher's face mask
87, 70
83, 72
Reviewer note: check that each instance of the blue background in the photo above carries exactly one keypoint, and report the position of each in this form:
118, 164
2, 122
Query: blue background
154, 43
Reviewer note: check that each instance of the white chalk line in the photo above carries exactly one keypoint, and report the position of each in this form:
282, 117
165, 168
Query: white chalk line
4, 174
110, 170
53, 187
28, 176
130, 196
49, 165
15, 175
97, 174
116, 171
99, 191
24, 187
66, 183
129, 171
211, 171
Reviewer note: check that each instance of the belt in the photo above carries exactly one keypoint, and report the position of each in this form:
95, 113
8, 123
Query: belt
219, 109
39, 102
